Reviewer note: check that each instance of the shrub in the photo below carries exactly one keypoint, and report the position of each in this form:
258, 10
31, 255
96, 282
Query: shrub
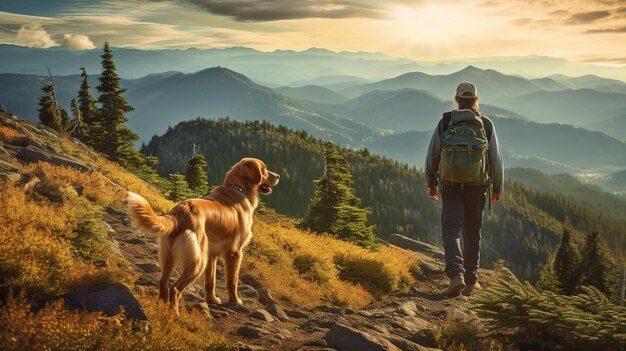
456, 335
311, 268
370, 273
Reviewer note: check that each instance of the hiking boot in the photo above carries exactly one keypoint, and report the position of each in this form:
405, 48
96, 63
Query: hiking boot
471, 288
457, 284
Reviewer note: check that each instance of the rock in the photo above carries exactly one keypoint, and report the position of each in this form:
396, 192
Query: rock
349, 311
407, 308
251, 332
310, 326
344, 337
244, 347
415, 245
108, 301
149, 267
219, 314
406, 345
203, 307
265, 297
278, 312
248, 291
425, 337
235, 308
262, 315
316, 342
431, 267
31, 154
329, 309
296, 314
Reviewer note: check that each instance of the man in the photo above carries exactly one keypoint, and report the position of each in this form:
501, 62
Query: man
464, 200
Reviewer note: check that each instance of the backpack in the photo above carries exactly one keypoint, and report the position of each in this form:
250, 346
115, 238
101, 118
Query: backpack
465, 150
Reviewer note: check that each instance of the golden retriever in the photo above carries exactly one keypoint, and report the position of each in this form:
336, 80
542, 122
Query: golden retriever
199, 231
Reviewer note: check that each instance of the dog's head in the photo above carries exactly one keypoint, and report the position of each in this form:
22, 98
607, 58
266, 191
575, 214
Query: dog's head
252, 175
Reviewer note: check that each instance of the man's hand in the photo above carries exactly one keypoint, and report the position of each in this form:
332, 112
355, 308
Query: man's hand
432, 193
495, 197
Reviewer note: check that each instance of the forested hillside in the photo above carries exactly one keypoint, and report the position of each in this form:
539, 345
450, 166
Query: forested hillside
522, 230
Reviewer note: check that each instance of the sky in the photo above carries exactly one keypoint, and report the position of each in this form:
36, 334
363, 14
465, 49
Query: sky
578, 30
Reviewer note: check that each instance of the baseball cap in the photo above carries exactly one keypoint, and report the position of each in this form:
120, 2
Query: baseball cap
466, 90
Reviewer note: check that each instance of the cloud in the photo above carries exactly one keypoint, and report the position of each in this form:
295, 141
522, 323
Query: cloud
607, 30
34, 35
77, 42
274, 10
587, 17
521, 21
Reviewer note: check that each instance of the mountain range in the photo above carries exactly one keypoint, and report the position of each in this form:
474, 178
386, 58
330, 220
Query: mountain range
387, 121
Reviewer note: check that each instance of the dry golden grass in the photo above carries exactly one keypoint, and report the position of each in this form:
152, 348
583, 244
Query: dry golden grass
275, 246
12, 136
55, 328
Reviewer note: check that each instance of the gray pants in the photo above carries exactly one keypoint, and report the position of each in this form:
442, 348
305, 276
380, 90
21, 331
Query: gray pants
462, 212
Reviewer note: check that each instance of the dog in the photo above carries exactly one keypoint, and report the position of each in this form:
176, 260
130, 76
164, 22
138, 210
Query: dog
196, 232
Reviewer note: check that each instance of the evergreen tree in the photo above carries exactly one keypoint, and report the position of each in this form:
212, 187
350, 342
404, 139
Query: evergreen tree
566, 261
196, 175
116, 138
65, 120
548, 280
334, 207
78, 128
49, 111
88, 110
595, 266
180, 189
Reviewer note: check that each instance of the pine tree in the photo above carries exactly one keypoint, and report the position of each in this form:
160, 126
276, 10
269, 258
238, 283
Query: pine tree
116, 138
548, 280
566, 262
88, 110
335, 208
196, 175
180, 189
595, 266
78, 128
65, 120
49, 111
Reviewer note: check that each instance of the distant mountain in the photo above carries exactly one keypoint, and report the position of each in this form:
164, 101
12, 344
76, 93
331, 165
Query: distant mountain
577, 107
276, 68
313, 93
591, 82
614, 126
335, 83
219, 92
492, 85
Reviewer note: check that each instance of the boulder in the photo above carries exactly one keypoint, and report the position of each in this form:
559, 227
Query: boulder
262, 315
278, 312
416, 245
265, 297
248, 291
31, 154
407, 308
108, 301
252, 332
343, 337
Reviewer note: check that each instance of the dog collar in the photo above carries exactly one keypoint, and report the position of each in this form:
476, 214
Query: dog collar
238, 188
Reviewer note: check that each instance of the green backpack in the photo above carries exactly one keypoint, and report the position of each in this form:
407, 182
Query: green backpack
464, 150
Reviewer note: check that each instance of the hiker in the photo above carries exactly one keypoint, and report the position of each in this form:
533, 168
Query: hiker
464, 163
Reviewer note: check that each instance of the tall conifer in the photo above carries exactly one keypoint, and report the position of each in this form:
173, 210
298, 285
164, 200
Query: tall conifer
566, 261
49, 111
595, 266
88, 110
196, 175
78, 128
335, 208
116, 138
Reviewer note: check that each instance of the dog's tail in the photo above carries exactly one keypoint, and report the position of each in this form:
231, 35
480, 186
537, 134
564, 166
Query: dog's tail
146, 220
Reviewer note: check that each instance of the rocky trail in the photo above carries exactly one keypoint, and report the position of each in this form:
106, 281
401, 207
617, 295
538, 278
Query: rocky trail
402, 321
